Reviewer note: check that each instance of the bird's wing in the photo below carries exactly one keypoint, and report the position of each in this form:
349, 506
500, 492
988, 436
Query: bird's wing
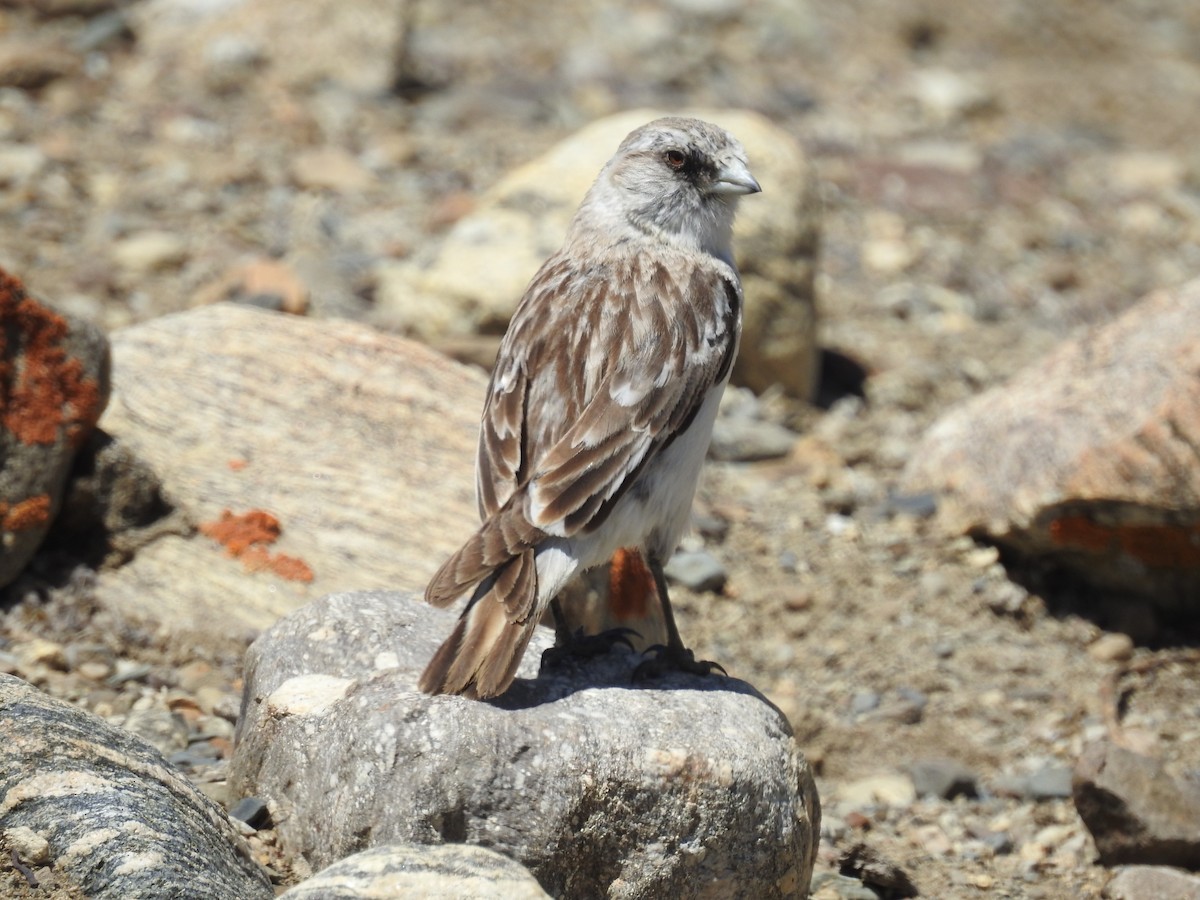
600, 371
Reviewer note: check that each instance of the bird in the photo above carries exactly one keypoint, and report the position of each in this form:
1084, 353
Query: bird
601, 402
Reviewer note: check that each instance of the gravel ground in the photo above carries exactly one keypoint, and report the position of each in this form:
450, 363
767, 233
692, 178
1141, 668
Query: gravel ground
995, 179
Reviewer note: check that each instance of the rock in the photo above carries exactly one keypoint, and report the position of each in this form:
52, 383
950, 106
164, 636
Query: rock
19, 163
697, 571
1137, 812
119, 822
54, 379
876, 790
945, 778
875, 870
1113, 647
1087, 464
253, 811
947, 96
332, 431
474, 279
1152, 883
30, 846
584, 779
749, 440
1051, 782
331, 169
150, 251
448, 872
32, 66
265, 283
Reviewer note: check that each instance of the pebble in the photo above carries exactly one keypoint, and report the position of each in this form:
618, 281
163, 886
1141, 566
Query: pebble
864, 702
253, 811
945, 778
150, 251
1113, 647
697, 571
43, 652
877, 790
161, 728
27, 844
1051, 782
749, 440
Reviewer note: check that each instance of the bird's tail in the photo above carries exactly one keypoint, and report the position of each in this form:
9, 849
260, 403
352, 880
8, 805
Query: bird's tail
481, 656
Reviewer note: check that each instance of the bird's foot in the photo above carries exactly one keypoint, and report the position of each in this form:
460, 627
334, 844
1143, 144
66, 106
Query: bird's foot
662, 659
582, 646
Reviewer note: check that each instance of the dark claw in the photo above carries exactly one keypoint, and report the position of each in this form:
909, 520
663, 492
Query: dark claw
667, 659
586, 646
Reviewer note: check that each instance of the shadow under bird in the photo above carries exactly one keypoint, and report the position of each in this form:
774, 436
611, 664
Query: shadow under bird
601, 403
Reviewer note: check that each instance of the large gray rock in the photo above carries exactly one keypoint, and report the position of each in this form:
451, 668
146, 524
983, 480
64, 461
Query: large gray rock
54, 383
1088, 462
119, 821
683, 787
449, 872
1137, 812
473, 280
346, 437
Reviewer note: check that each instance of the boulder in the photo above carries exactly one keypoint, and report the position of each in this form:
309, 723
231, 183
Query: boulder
54, 383
113, 816
449, 872
1087, 463
472, 281
682, 787
298, 450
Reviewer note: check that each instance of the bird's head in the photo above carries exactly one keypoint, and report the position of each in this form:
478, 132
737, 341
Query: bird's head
678, 179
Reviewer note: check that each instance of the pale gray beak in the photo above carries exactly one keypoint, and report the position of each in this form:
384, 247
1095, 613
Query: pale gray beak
734, 178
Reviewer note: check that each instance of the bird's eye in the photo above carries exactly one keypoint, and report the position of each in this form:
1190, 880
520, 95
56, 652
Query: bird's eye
675, 158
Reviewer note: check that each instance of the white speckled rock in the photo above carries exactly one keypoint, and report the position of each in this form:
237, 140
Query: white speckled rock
114, 816
681, 787
449, 872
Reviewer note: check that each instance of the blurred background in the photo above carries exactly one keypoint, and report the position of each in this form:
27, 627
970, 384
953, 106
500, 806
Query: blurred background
993, 178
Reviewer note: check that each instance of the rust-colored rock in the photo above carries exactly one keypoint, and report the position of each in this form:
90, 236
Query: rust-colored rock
54, 382
1088, 463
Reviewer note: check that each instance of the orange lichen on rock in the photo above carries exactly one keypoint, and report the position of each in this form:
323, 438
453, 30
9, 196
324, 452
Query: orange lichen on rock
630, 585
48, 391
238, 533
247, 536
33, 512
1159, 546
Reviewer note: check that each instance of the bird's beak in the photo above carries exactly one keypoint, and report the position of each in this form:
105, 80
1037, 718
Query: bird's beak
734, 178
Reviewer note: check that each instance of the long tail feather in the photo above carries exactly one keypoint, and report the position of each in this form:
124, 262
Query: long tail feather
481, 656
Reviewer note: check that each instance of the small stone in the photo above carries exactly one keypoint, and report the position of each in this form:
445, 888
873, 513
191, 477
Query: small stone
94, 670
331, 169
165, 730
877, 871
253, 811
150, 251
877, 790
1052, 782
1113, 647
736, 439
19, 163
27, 844
945, 778
40, 651
864, 702
698, 571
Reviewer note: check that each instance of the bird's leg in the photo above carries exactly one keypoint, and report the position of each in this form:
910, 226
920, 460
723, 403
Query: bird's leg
570, 645
673, 656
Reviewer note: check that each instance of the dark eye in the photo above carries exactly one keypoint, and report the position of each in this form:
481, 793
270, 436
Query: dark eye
675, 158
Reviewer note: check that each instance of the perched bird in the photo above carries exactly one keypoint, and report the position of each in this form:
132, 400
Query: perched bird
601, 403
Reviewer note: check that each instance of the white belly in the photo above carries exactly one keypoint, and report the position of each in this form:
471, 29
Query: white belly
654, 513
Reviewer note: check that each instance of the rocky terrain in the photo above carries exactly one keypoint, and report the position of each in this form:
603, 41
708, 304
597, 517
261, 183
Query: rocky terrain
994, 181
